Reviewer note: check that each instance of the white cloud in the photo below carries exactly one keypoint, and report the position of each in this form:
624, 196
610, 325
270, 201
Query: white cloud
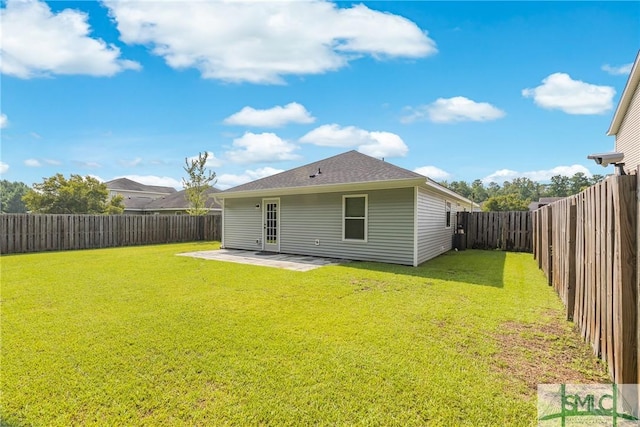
272, 117
230, 180
262, 42
36, 163
4, 121
502, 175
560, 91
88, 164
163, 181
4, 167
261, 147
433, 172
372, 143
617, 71
212, 160
456, 109
131, 163
37, 42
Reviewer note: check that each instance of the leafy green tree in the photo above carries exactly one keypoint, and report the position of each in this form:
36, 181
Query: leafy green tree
523, 187
560, 186
478, 192
198, 184
493, 189
462, 188
76, 195
11, 196
578, 182
505, 202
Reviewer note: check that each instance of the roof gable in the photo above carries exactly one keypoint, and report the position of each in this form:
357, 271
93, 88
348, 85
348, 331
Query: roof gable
351, 167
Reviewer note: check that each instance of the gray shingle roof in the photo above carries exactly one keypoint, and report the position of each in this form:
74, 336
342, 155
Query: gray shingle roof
178, 201
347, 168
127, 184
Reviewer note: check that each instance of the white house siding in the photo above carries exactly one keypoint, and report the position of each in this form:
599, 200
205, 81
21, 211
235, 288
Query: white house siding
628, 136
433, 237
243, 224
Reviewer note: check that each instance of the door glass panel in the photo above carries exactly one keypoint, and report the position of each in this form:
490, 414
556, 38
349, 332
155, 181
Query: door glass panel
272, 223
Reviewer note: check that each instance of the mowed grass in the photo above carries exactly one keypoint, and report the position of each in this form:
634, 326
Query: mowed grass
140, 336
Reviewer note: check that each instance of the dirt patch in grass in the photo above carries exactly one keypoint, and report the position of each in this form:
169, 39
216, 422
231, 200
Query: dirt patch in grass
550, 351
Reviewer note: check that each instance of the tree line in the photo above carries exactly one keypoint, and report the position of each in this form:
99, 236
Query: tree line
516, 195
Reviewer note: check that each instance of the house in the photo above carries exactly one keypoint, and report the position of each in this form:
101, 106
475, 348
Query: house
177, 204
625, 125
543, 201
348, 206
152, 199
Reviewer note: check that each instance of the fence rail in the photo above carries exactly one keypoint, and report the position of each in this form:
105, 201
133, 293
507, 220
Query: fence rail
21, 233
587, 247
509, 231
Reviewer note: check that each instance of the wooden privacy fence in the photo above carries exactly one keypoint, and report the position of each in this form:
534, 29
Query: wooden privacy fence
36, 233
587, 247
509, 231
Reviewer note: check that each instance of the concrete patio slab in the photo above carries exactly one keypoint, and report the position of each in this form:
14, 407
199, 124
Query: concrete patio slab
266, 259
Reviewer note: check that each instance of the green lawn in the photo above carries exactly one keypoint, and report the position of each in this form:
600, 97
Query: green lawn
138, 335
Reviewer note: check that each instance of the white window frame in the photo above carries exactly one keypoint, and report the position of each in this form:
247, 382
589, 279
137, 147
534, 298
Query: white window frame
447, 213
366, 216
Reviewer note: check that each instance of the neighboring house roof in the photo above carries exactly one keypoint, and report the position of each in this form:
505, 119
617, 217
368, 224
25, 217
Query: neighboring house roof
543, 202
126, 184
178, 201
350, 170
627, 96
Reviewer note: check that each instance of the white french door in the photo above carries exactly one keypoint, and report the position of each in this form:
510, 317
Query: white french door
271, 225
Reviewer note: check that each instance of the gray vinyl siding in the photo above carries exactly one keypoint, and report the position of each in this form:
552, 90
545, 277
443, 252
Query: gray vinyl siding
628, 136
434, 238
319, 216
305, 218
243, 224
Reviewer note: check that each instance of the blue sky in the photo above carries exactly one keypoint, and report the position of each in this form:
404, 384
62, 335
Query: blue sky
454, 90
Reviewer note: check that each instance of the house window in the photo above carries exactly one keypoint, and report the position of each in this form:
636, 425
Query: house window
354, 212
447, 213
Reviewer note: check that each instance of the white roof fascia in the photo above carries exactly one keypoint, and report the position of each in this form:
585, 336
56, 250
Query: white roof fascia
442, 189
329, 188
625, 99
